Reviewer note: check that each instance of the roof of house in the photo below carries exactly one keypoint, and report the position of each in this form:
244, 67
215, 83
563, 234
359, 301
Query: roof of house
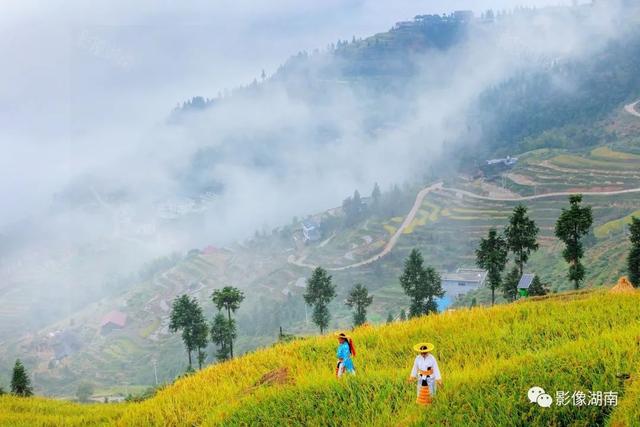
117, 318
526, 280
465, 275
310, 224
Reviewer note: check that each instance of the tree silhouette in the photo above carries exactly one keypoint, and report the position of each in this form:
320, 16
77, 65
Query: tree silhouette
521, 234
320, 291
422, 285
492, 256
20, 381
186, 316
229, 299
572, 225
359, 299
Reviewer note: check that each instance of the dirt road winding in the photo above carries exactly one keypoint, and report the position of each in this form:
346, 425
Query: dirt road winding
439, 187
392, 241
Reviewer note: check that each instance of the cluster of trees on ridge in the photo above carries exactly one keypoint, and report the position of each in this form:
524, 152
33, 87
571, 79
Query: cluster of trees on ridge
187, 317
520, 239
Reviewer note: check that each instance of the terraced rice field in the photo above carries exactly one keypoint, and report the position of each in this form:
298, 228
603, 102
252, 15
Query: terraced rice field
586, 341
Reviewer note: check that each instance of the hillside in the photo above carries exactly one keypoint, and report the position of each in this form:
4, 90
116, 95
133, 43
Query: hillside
447, 224
490, 357
578, 139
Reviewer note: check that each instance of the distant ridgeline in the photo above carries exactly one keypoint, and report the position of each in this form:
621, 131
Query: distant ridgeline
382, 55
529, 110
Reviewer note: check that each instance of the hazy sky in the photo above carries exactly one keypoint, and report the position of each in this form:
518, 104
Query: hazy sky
78, 76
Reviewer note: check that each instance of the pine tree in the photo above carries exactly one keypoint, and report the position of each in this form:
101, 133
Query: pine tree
359, 299
572, 225
422, 285
537, 288
353, 209
633, 261
376, 194
20, 381
521, 235
320, 291
492, 256
229, 299
390, 318
403, 315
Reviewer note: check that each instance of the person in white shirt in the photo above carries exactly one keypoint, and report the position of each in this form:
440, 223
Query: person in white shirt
425, 369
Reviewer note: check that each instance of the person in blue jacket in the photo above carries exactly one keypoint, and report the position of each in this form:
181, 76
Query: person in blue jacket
346, 351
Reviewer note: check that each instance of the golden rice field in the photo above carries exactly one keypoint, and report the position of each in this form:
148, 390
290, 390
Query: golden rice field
489, 358
566, 160
609, 154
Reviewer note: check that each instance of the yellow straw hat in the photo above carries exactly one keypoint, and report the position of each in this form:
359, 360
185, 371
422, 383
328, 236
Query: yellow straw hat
342, 335
423, 347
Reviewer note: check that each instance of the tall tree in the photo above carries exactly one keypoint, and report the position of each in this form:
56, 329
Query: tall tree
359, 299
633, 261
376, 194
320, 291
186, 316
389, 318
20, 381
353, 209
223, 332
422, 285
492, 256
521, 234
572, 225
510, 284
229, 299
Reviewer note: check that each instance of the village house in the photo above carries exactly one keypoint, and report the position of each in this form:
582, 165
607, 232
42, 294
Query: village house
113, 320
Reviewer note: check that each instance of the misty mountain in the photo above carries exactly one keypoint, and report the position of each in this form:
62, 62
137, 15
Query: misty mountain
383, 73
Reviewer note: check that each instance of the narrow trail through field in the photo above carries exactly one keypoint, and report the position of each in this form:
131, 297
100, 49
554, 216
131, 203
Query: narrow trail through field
439, 187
